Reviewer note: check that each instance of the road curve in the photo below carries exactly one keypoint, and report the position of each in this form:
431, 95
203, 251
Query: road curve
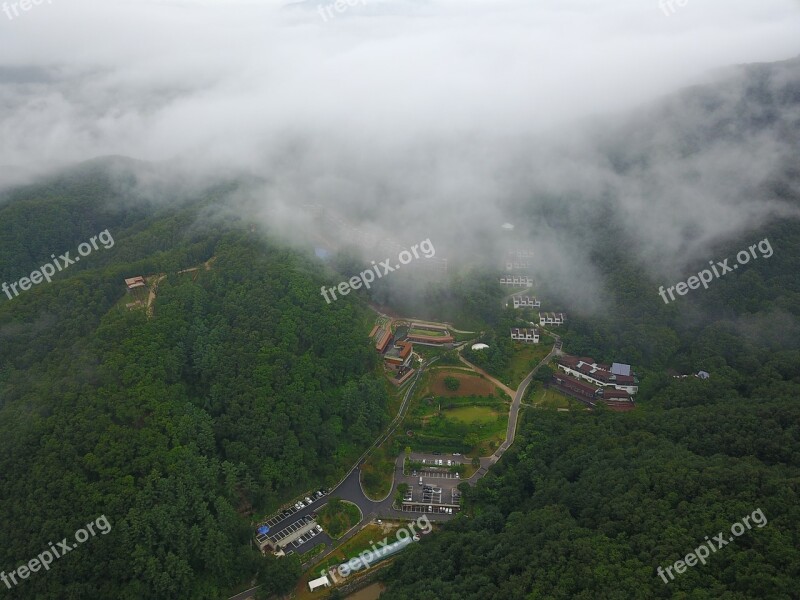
350, 487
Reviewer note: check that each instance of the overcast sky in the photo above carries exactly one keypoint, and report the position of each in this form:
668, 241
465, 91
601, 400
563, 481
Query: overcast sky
158, 79
413, 103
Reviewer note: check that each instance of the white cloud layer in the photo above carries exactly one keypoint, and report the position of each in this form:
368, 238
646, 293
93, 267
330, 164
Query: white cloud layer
454, 107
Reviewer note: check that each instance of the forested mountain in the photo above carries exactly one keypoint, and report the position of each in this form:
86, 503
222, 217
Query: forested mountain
590, 505
239, 392
242, 386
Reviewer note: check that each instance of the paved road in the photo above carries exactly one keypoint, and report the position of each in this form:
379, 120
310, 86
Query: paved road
350, 487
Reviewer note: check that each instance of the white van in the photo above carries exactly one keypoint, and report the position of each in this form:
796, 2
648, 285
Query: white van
420, 480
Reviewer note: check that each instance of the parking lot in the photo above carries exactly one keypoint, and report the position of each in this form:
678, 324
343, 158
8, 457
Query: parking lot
296, 509
433, 489
294, 517
427, 509
306, 537
282, 533
440, 474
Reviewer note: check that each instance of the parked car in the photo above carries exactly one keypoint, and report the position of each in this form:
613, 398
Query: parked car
456, 454
308, 500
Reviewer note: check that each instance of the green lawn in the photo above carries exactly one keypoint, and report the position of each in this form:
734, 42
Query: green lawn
377, 474
467, 429
525, 359
550, 398
430, 332
353, 547
471, 414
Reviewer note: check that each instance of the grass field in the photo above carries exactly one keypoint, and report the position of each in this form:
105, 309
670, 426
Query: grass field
525, 359
430, 332
377, 473
550, 398
356, 544
467, 429
472, 414
471, 384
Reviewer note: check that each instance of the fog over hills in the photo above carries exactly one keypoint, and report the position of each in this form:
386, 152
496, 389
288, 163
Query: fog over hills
219, 167
673, 177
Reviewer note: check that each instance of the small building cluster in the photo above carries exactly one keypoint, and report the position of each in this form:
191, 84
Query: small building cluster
526, 336
415, 336
137, 286
551, 318
526, 302
699, 375
135, 283
617, 375
517, 281
397, 353
519, 260
591, 382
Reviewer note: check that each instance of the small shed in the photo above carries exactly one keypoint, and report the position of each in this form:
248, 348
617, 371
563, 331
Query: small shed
315, 584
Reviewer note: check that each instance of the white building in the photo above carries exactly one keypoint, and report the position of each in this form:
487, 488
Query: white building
598, 374
527, 336
526, 302
517, 281
521, 253
315, 584
515, 265
549, 318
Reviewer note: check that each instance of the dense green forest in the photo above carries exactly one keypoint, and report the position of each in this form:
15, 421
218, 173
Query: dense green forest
243, 389
588, 505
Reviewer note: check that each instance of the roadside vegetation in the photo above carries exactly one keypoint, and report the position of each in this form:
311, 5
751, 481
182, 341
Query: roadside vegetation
338, 516
377, 472
244, 388
507, 360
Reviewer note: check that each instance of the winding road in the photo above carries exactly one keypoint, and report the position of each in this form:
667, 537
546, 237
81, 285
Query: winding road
349, 488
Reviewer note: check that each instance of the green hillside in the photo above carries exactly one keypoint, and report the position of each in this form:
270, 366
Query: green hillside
241, 390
